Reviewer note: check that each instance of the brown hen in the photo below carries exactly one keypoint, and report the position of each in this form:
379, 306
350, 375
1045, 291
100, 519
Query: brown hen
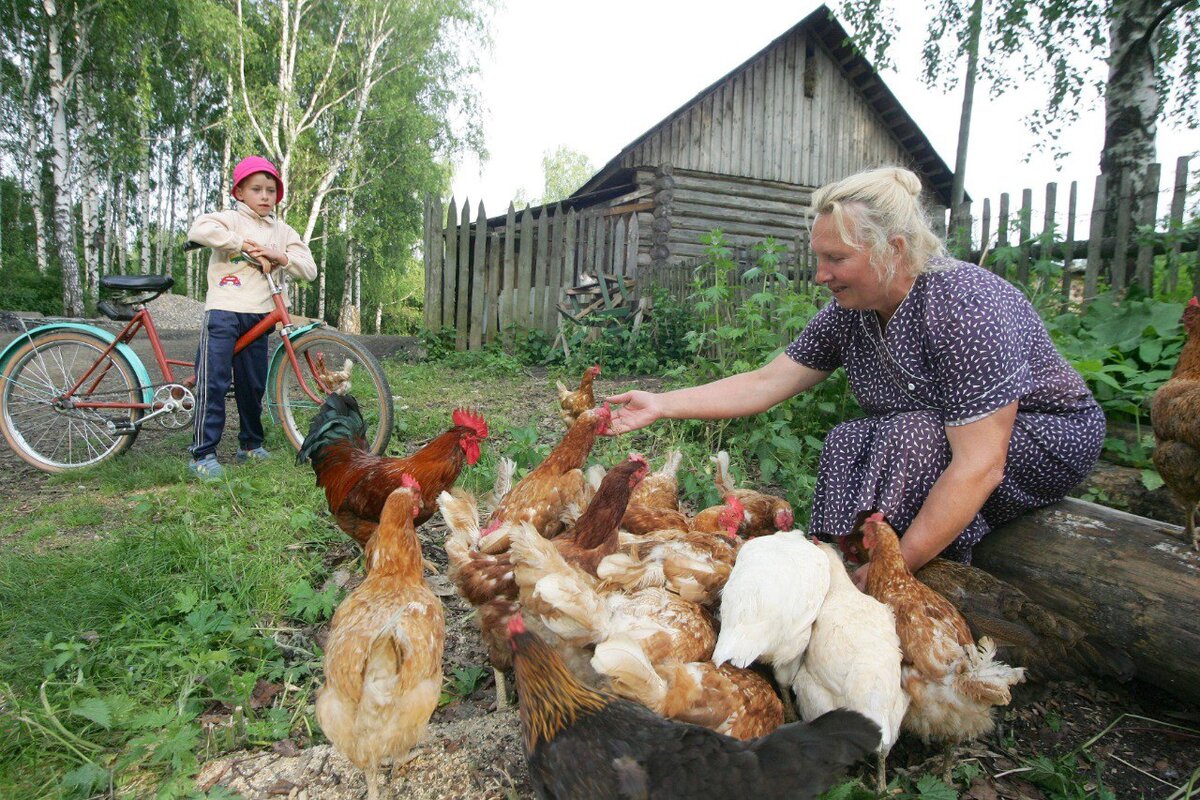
1175, 414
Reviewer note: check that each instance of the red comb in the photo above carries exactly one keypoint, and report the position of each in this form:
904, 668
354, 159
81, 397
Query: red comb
1194, 302
638, 457
409, 482
515, 625
733, 502
877, 517
594, 369
470, 419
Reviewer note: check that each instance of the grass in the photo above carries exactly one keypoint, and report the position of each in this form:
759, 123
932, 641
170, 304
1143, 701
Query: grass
145, 617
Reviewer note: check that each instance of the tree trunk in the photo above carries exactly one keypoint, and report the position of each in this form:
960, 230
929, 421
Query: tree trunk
64, 233
189, 203
122, 226
1131, 101
174, 177
958, 188
90, 205
324, 261
144, 188
160, 209
1123, 578
347, 314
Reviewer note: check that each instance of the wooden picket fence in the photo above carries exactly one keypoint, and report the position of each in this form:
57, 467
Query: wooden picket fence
483, 279
1119, 257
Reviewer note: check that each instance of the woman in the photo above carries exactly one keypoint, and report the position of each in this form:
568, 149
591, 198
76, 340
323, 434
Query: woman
972, 416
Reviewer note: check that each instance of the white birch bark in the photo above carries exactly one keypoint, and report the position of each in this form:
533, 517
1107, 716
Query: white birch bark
189, 209
90, 202
324, 260
170, 232
144, 189
60, 85
123, 229
347, 319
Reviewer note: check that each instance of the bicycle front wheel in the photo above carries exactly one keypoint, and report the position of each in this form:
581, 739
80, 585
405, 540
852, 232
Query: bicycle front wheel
296, 410
50, 431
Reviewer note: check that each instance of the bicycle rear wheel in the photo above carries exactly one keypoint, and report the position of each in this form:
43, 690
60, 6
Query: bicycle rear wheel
50, 433
295, 409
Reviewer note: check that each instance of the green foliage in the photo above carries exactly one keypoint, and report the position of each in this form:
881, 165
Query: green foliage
659, 343
564, 170
461, 684
1064, 778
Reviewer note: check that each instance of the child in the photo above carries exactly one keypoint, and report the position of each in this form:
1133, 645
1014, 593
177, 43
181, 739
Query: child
238, 298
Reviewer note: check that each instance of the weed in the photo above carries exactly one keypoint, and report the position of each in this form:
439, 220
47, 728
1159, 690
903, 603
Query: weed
461, 684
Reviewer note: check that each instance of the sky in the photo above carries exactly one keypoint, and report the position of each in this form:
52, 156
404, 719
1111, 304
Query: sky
594, 76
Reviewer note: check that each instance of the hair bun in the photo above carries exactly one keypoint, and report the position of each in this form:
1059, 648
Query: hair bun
907, 180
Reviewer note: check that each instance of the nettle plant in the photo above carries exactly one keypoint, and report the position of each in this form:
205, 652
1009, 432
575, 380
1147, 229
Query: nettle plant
743, 319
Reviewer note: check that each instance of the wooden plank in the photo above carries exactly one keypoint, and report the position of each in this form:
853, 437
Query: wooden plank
541, 273
985, 229
569, 242
631, 247
1128, 580
681, 210
1175, 222
554, 278
462, 302
618, 250
478, 281
495, 289
1120, 261
788, 206
1026, 220
450, 281
1049, 228
524, 271
1091, 276
508, 308
1069, 242
1149, 212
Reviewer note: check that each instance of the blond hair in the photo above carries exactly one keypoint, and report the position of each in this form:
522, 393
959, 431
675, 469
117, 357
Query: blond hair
869, 208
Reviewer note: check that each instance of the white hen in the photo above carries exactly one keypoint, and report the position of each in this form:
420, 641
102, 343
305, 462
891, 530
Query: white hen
853, 661
770, 601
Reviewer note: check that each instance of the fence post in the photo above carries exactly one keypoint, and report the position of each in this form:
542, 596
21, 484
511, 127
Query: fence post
1069, 244
508, 302
478, 280
1120, 262
985, 230
1176, 222
1002, 229
450, 266
1048, 228
524, 270
1144, 272
1091, 277
495, 292
1025, 223
554, 283
464, 279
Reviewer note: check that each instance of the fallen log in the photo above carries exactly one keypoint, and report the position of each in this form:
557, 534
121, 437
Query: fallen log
1131, 581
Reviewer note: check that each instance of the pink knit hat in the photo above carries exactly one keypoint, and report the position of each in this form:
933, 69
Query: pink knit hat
253, 164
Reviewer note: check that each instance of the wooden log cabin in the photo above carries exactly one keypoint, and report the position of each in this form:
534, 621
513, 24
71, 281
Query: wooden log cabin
743, 155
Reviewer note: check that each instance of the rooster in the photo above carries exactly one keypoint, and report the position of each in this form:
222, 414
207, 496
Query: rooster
383, 661
765, 513
952, 682
1175, 414
853, 661
573, 403
726, 699
357, 482
541, 496
583, 743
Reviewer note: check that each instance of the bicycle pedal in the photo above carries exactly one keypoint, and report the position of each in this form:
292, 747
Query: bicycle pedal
122, 428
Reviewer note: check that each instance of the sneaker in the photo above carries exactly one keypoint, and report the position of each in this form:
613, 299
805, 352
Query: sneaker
207, 468
257, 454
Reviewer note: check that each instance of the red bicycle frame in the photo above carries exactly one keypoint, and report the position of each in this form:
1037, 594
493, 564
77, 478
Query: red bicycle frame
144, 320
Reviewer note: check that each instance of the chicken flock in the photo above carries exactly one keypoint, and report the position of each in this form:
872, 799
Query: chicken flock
656, 652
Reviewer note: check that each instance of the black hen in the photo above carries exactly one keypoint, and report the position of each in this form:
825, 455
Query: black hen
580, 743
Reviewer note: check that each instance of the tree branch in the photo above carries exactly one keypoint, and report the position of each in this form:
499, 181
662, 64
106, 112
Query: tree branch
242, 79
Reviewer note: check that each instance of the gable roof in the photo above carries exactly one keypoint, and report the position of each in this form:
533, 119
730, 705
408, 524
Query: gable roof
822, 24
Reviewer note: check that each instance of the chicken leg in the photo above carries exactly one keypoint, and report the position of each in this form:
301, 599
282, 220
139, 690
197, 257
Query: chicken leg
501, 689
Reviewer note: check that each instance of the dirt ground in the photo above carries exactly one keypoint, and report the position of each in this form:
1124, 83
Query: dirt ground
1135, 736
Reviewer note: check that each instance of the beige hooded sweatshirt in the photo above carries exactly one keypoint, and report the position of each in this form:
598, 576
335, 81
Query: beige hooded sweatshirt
241, 287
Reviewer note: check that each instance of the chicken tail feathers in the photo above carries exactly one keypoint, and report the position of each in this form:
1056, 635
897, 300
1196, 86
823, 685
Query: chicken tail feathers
631, 574
631, 675
339, 419
723, 479
986, 679
807, 757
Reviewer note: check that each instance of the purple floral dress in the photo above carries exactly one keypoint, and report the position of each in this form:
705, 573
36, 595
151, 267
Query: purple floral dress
963, 344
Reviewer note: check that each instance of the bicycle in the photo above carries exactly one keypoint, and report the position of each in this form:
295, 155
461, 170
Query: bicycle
73, 395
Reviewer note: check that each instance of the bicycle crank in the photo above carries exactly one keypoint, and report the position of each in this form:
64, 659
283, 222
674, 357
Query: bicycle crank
173, 406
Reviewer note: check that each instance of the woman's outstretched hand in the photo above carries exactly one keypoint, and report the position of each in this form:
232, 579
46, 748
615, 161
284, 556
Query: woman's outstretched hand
632, 410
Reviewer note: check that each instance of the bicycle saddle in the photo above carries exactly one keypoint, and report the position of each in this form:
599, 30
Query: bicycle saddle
137, 283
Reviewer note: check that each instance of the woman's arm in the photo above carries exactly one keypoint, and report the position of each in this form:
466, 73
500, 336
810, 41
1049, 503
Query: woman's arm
736, 396
978, 453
